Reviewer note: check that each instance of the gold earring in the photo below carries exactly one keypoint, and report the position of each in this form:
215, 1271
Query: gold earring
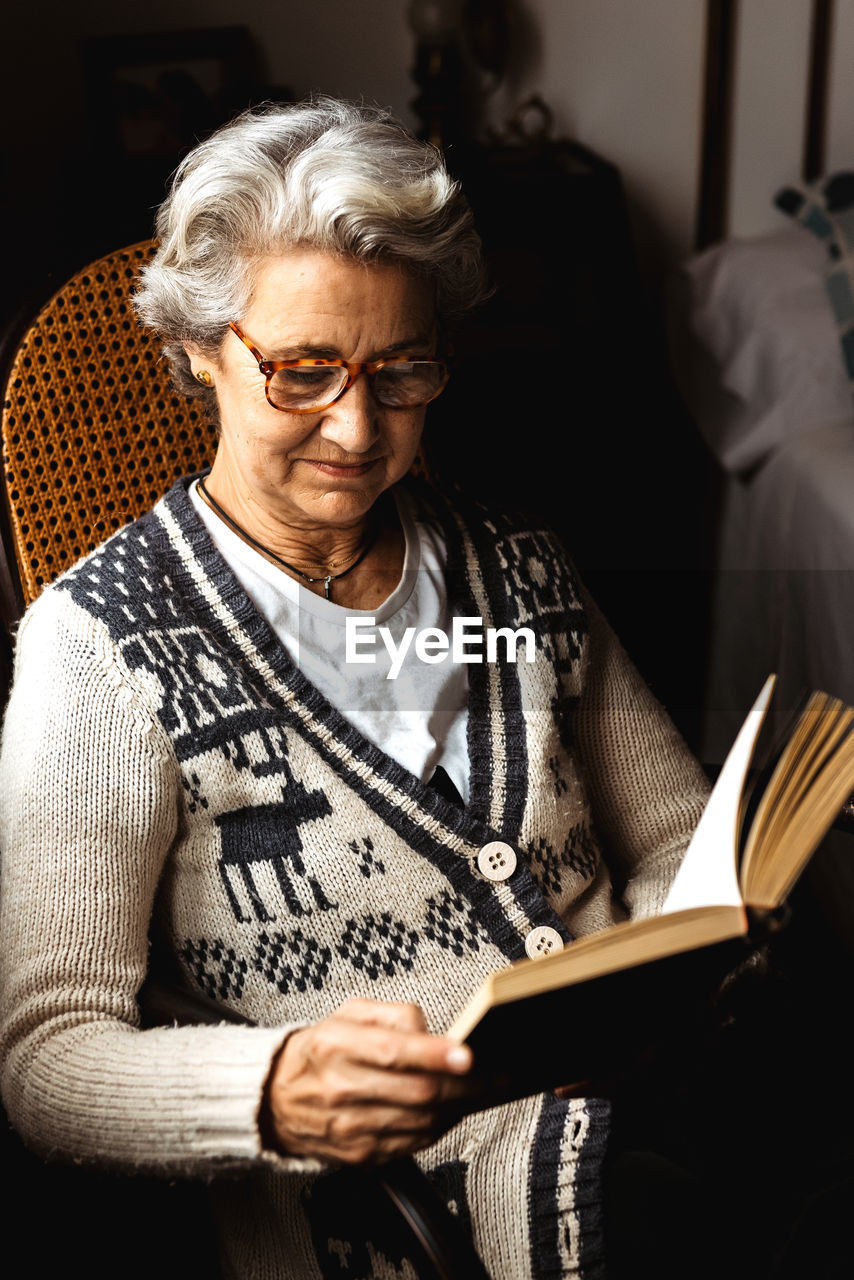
203, 377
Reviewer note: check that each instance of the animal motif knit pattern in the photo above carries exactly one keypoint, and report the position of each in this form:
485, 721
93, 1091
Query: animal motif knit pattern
167, 769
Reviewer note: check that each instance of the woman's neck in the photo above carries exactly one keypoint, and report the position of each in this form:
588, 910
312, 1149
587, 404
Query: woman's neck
367, 555
309, 546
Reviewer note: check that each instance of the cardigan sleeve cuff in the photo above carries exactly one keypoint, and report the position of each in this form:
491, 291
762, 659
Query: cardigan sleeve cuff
172, 1100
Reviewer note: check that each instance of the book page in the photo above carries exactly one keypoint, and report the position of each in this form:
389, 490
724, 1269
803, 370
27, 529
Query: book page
709, 872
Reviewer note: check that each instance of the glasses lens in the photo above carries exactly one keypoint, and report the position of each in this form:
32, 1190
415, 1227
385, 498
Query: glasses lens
407, 383
306, 386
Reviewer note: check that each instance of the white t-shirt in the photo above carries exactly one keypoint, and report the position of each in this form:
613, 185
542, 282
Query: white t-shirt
420, 716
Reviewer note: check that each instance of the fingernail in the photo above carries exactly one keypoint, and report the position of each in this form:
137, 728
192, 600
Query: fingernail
459, 1058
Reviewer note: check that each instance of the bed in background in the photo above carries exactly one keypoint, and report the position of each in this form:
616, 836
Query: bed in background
757, 353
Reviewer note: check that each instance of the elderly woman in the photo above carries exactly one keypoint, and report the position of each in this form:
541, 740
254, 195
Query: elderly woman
241, 732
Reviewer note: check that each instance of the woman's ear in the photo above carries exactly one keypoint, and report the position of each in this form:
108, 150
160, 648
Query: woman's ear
201, 366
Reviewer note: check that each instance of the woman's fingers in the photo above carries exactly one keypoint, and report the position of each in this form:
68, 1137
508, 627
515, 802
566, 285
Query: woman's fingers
386, 1013
349, 1084
360, 1062
386, 1044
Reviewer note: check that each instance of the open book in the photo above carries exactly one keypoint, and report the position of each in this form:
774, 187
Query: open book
563, 1017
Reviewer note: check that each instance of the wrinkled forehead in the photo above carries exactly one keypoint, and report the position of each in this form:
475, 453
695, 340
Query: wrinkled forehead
324, 303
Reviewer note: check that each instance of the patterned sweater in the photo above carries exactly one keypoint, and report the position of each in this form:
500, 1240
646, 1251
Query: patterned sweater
167, 769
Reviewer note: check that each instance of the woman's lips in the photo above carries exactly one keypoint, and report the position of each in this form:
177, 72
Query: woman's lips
342, 470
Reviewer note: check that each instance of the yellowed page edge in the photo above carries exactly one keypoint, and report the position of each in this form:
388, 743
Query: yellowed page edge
797, 773
772, 880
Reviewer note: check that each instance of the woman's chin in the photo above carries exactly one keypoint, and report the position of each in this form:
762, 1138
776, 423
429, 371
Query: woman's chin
339, 505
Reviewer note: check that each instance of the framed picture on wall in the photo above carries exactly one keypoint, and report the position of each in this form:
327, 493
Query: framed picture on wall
152, 96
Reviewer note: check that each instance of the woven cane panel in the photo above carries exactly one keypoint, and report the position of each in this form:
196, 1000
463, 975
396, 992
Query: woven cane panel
93, 432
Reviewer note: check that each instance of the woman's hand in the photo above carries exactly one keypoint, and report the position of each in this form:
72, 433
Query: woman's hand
364, 1085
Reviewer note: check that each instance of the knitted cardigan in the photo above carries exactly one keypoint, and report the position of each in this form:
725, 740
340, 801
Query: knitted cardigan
167, 768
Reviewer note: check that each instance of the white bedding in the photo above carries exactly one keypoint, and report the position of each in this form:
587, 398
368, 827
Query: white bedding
757, 357
755, 345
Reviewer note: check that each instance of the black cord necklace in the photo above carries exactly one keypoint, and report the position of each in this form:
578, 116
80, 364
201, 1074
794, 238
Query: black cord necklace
327, 579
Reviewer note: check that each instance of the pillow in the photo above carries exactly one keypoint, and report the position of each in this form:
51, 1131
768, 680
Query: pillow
826, 208
754, 345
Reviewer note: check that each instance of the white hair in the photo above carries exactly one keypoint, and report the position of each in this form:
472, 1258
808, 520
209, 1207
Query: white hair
325, 174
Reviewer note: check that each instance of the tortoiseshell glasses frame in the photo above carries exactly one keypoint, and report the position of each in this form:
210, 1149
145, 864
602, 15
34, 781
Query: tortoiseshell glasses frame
411, 383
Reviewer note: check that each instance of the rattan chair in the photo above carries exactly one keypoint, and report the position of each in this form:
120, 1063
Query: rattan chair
93, 431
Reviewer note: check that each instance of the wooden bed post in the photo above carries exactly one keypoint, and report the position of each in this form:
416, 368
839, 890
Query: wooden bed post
713, 196
815, 129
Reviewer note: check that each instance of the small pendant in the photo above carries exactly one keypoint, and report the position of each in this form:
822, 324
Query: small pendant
326, 582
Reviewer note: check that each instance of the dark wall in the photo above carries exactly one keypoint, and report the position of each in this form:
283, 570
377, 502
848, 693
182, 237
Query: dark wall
96, 119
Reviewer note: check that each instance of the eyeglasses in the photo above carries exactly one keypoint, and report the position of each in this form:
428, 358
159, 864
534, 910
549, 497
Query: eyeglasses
309, 386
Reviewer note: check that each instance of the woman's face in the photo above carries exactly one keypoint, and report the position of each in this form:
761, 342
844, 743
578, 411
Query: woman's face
325, 468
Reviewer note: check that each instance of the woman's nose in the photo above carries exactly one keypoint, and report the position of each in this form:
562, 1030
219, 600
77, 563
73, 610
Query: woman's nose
352, 421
